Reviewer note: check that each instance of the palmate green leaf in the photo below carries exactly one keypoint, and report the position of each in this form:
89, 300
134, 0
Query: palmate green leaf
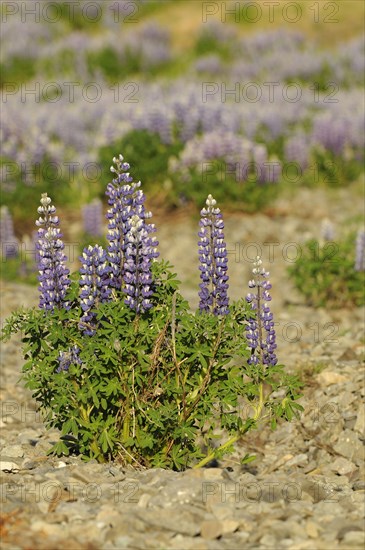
145, 440
59, 449
107, 439
71, 426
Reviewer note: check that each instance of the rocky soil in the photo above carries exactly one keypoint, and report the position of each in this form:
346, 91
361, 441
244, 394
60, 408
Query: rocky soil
305, 490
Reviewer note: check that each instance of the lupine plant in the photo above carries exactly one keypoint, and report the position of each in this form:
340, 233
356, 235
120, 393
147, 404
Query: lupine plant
331, 273
120, 364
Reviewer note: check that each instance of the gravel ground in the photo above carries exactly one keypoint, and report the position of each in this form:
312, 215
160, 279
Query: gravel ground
304, 491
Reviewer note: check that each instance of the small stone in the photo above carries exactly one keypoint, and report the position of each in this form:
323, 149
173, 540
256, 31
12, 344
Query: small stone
47, 529
108, 515
342, 466
348, 355
60, 464
349, 446
360, 421
181, 521
326, 378
268, 540
205, 473
48, 494
56, 518
10, 467
297, 460
229, 526
220, 511
28, 464
359, 485
312, 529
13, 451
348, 528
354, 538
211, 529
144, 500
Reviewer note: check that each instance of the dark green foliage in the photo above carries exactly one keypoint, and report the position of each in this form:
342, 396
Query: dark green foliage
151, 389
17, 70
107, 61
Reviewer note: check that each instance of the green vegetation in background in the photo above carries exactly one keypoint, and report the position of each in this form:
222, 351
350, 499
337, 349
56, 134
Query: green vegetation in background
246, 196
18, 270
325, 274
142, 144
17, 70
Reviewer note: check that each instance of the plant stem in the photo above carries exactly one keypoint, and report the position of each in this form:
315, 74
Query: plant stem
236, 437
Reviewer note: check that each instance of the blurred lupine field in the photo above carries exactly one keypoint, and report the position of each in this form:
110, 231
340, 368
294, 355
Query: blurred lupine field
200, 97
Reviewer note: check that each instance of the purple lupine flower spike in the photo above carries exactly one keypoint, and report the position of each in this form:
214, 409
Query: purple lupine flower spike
141, 250
213, 260
53, 274
125, 199
94, 285
360, 251
260, 332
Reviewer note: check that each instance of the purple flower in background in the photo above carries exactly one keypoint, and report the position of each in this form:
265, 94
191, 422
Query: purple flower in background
125, 199
297, 150
209, 64
260, 332
94, 285
213, 260
360, 251
92, 216
331, 132
66, 358
327, 230
8, 240
140, 251
53, 274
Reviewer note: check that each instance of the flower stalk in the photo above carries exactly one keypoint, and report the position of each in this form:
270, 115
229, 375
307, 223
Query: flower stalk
260, 332
53, 274
213, 260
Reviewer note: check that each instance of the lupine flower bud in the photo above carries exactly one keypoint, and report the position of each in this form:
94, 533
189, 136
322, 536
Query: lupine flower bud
213, 260
260, 332
360, 251
126, 199
94, 285
53, 275
66, 358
